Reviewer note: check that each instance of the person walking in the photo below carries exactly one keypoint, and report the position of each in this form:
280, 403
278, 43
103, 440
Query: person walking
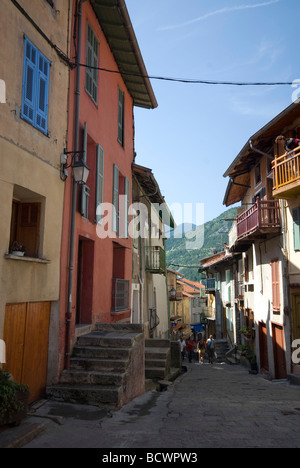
190, 348
201, 349
182, 347
210, 349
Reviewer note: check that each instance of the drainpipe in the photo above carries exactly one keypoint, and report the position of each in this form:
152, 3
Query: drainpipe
260, 152
74, 193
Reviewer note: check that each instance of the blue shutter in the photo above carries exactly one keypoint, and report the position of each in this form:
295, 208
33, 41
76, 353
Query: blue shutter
35, 94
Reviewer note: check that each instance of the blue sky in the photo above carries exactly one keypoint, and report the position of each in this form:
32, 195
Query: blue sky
197, 130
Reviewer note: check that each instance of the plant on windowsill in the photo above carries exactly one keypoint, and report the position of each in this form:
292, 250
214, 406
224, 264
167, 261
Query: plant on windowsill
246, 332
13, 400
17, 249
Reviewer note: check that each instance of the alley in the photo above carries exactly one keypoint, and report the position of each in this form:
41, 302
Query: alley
208, 406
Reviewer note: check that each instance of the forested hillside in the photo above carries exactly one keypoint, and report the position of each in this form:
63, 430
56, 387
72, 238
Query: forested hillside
183, 257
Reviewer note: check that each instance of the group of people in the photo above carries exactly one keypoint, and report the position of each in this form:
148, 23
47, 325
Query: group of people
202, 348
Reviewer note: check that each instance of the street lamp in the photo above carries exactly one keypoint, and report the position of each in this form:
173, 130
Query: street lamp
79, 167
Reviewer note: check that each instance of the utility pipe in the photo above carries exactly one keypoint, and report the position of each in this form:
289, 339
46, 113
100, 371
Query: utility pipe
74, 191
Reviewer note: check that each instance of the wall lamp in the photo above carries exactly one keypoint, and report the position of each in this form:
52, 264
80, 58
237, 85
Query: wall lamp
78, 165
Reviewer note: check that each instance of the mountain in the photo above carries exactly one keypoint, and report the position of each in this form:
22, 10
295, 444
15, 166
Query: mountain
185, 252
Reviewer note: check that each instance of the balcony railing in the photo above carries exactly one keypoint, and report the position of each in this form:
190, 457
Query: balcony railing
286, 174
263, 217
155, 260
120, 295
209, 283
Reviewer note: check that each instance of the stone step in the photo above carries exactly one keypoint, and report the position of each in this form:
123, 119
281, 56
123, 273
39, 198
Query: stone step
101, 353
92, 364
157, 343
157, 353
155, 363
85, 394
91, 378
107, 339
155, 372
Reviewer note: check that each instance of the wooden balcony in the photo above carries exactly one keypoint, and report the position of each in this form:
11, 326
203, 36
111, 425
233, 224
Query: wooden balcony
209, 283
260, 220
286, 175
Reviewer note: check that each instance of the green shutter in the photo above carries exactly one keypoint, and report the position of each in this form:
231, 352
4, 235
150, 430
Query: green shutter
296, 227
99, 183
115, 223
121, 117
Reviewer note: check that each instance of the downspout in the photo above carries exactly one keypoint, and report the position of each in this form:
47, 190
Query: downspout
74, 192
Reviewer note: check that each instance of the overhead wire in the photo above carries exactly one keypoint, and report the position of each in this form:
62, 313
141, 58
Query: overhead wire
189, 80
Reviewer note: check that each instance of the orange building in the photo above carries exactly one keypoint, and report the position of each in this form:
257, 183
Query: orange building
96, 264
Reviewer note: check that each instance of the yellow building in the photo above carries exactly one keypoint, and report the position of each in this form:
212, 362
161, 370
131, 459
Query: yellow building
33, 131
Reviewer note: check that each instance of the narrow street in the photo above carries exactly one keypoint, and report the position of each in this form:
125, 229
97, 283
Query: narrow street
217, 406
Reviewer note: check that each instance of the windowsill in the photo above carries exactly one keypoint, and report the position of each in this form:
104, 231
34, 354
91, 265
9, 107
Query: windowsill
27, 259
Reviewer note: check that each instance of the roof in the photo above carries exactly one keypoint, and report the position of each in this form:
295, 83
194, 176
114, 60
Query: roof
116, 24
214, 259
174, 272
151, 189
263, 141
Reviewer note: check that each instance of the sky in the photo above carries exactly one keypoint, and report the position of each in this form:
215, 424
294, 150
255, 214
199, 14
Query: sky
196, 132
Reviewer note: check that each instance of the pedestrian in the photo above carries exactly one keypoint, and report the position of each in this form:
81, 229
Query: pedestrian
210, 349
182, 348
201, 349
190, 348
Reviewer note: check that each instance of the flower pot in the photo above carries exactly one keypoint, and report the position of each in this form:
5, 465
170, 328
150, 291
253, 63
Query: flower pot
14, 418
17, 253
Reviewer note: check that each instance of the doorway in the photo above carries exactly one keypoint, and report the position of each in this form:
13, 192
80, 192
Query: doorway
263, 346
279, 351
296, 316
85, 275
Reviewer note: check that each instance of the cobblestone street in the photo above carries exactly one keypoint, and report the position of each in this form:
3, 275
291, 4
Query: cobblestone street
208, 406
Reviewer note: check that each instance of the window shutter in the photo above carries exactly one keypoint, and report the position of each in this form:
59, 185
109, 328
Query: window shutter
121, 117
85, 194
115, 223
91, 74
296, 227
42, 94
126, 208
275, 285
35, 94
99, 183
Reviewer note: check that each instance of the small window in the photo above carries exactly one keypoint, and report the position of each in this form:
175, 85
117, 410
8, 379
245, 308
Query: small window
121, 117
25, 226
91, 75
35, 91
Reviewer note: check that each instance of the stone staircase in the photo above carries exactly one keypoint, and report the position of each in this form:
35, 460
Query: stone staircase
157, 359
233, 357
107, 367
222, 348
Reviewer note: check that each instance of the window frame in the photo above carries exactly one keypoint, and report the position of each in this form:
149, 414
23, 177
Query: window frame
121, 117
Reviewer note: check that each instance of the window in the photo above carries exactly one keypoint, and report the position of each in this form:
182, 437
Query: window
115, 223
275, 286
121, 117
25, 226
91, 74
296, 227
121, 201
35, 91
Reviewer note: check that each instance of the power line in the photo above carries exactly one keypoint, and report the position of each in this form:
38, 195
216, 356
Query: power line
190, 81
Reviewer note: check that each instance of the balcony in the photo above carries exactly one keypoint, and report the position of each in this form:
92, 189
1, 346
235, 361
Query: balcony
286, 175
209, 283
120, 295
262, 219
155, 260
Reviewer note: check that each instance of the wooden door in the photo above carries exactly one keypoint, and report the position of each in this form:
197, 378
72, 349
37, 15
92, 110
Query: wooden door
279, 351
296, 317
26, 335
263, 346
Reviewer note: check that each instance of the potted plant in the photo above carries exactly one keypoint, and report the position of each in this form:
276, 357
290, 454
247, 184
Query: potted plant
13, 400
17, 248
